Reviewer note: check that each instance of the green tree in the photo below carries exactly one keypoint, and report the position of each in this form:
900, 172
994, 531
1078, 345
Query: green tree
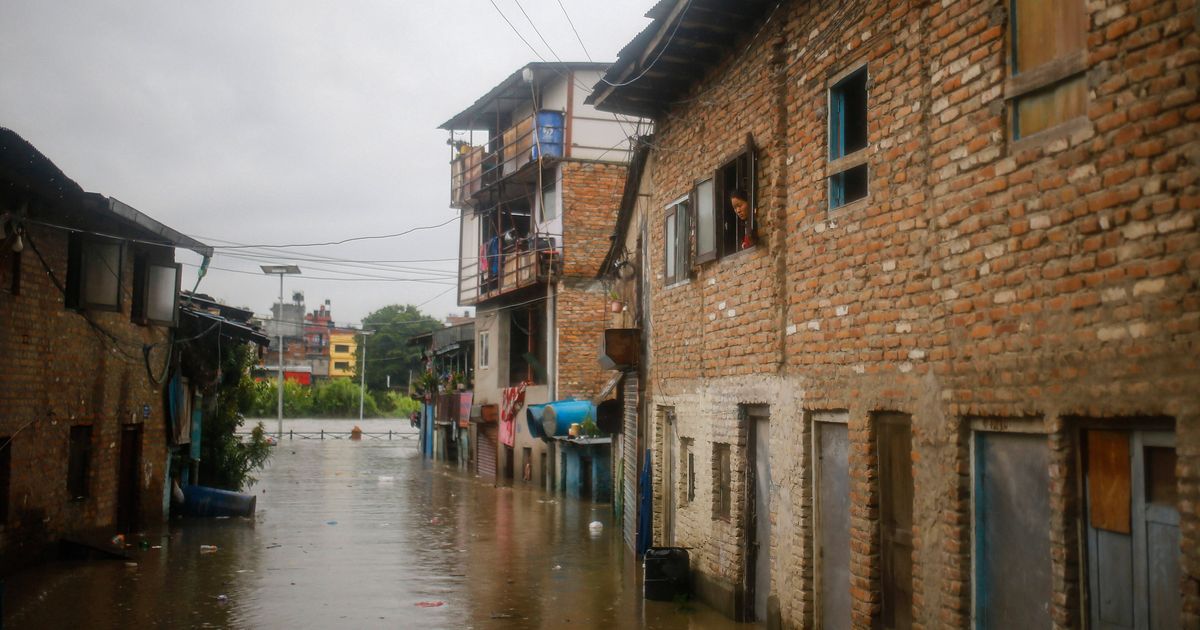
388, 350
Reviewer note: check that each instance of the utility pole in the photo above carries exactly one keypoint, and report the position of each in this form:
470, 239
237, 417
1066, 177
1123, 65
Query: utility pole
281, 270
362, 393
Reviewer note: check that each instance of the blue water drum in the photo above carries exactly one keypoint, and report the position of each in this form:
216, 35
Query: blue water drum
559, 415
533, 418
550, 132
205, 501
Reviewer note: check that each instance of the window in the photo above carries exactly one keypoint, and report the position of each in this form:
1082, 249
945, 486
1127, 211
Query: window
93, 274
676, 237
720, 229
155, 292
527, 345
79, 459
485, 350
847, 139
687, 469
341, 365
722, 480
1049, 57
14, 272
341, 348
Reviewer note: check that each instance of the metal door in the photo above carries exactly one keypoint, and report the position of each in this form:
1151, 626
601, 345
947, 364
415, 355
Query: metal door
1012, 531
894, 447
1133, 530
485, 452
668, 479
761, 514
832, 442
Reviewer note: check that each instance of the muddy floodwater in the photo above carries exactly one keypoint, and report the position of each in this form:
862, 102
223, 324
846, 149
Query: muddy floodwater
363, 535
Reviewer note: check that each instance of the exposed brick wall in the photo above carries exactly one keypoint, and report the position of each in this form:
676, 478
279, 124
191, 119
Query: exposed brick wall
591, 194
1051, 277
581, 322
59, 373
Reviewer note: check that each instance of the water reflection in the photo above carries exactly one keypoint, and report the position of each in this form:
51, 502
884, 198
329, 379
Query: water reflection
364, 534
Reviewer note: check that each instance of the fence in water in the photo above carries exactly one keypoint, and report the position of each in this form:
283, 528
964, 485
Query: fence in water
339, 435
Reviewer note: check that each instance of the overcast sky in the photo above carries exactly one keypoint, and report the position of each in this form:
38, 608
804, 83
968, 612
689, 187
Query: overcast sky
276, 122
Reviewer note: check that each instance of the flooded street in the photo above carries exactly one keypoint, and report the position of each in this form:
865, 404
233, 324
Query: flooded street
357, 535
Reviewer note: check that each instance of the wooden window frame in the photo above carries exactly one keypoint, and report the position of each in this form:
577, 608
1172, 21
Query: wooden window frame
484, 350
78, 246
1023, 82
723, 219
143, 277
676, 232
840, 163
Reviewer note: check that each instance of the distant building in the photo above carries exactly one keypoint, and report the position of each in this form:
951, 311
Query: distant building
343, 348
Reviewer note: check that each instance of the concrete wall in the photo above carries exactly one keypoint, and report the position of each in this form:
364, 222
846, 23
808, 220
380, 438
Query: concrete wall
1051, 278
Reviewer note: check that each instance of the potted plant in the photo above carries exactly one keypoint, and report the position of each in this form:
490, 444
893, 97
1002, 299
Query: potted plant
615, 305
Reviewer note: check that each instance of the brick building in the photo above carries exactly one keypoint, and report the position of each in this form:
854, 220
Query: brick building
88, 298
953, 341
536, 176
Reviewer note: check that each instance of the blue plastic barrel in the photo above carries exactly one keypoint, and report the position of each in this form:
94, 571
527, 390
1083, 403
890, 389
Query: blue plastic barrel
550, 134
205, 501
533, 418
559, 415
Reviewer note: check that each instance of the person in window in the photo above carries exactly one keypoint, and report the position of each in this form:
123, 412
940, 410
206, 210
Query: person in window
740, 201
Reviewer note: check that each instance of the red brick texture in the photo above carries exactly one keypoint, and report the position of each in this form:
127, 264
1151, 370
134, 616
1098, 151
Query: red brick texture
61, 372
1052, 277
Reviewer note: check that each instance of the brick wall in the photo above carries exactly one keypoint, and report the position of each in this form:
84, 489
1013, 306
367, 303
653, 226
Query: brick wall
1052, 277
591, 194
580, 323
60, 372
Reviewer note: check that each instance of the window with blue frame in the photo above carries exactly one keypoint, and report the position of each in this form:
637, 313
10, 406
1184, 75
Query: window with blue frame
848, 139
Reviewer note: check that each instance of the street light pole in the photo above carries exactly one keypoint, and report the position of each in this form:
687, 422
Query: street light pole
281, 270
362, 385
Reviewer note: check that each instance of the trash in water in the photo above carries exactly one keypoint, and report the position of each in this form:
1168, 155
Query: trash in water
118, 540
435, 521
558, 567
386, 479
596, 527
331, 522
208, 549
131, 565
222, 598
429, 604
156, 546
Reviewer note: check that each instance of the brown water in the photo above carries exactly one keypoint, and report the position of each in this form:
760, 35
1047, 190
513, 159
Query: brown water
364, 535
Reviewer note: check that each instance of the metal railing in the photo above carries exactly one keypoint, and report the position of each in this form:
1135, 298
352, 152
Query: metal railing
341, 435
477, 168
532, 260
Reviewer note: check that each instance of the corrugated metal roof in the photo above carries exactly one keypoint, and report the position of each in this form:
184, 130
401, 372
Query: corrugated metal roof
511, 92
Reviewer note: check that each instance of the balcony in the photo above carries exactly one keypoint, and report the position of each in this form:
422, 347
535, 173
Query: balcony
501, 269
476, 168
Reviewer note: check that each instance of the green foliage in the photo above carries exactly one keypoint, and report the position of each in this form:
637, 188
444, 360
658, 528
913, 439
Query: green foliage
388, 350
336, 398
226, 461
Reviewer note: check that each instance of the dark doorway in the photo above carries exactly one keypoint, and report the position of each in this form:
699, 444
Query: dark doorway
508, 462
585, 478
894, 444
758, 552
127, 480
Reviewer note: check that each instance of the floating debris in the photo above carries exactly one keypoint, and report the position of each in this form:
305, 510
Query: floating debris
429, 604
208, 549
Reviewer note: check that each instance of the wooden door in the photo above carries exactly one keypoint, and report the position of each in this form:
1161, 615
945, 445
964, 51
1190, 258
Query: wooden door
127, 479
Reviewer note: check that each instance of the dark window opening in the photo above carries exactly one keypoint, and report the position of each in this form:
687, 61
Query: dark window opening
735, 233
79, 459
691, 475
848, 186
848, 115
341, 365
722, 480
847, 135
526, 346
14, 270
341, 347
5, 476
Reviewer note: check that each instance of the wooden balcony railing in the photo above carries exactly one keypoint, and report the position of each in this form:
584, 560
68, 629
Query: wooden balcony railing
476, 168
532, 260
